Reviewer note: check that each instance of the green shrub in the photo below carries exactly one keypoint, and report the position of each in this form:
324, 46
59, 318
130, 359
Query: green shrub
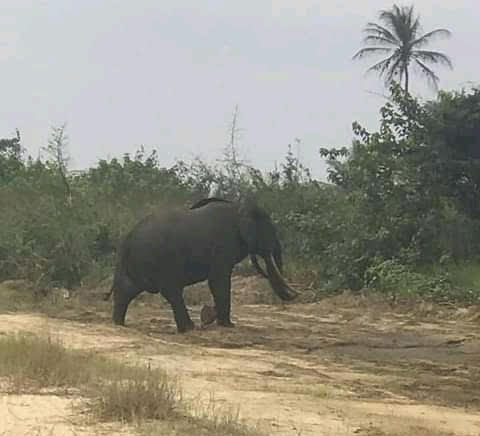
456, 282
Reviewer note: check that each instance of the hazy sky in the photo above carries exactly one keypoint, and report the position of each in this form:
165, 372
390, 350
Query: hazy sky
168, 73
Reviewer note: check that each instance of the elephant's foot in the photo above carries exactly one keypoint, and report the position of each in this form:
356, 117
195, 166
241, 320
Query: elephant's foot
184, 328
227, 323
118, 319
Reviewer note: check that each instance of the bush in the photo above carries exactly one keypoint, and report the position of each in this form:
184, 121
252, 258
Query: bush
454, 282
54, 240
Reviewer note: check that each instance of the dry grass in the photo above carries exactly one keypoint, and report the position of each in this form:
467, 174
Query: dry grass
198, 427
211, 420
112, 391
141, 395
32, 363
115, 391
22, 296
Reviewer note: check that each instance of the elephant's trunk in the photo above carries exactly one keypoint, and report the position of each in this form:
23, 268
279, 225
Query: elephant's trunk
277, 282
256, 265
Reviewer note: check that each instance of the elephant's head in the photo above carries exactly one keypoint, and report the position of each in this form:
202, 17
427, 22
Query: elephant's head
260, 235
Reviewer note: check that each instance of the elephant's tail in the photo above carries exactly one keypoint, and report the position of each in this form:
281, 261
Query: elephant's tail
119, 266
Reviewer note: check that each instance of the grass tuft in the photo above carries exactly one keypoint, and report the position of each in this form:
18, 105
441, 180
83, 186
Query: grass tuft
143, 395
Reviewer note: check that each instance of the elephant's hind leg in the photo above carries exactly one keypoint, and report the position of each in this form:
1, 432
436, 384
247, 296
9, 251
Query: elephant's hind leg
220, 286
124, 291
182, 318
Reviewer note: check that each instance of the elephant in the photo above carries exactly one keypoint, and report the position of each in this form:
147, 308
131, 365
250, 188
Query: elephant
177, 247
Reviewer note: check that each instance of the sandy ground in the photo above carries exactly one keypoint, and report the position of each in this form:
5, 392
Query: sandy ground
343, 366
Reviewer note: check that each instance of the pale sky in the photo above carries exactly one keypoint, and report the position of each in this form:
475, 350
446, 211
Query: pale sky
168, 73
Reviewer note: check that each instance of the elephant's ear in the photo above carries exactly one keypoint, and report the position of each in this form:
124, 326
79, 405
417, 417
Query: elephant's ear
248, 217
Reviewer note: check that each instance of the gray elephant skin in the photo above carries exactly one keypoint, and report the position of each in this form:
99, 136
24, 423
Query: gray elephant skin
174, 248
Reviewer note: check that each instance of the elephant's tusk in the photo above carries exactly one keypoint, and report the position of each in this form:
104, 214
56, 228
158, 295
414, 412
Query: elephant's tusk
277, 270
277, 282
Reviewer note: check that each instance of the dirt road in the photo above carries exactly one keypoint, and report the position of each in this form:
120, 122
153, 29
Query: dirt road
344, 366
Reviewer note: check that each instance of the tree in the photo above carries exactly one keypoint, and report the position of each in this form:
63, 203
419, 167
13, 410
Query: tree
57, 151
10, 158
231, 160
293, 171
453, 134
415, 183
232, 177
399, 38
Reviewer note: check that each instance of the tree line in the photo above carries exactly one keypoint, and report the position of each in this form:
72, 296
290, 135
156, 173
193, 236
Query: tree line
402, 201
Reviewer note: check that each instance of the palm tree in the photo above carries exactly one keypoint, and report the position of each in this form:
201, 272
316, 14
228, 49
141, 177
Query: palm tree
399, 38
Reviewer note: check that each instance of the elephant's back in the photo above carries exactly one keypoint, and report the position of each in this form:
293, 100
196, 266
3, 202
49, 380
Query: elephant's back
176, 232
186, 223
154, 230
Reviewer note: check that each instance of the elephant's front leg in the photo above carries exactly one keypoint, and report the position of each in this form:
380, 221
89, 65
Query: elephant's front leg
220, 286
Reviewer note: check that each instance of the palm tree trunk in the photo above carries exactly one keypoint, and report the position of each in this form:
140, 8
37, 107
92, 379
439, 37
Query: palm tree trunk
406, 79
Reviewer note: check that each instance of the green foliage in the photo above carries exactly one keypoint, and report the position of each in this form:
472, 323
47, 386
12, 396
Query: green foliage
403, 184
465, 276
452, 129
56, 236
401, 200
10, 158
394, 277
444, 283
